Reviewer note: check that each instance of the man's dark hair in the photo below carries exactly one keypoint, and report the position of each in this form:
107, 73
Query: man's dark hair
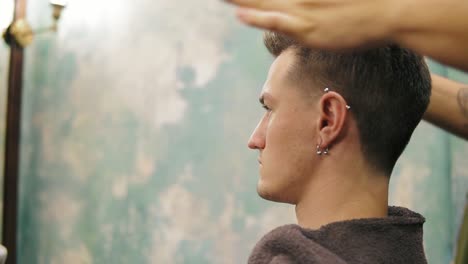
388, 89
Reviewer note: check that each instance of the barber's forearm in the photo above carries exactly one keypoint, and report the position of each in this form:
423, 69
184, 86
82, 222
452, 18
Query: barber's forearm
448, 50
448, 108
435, 28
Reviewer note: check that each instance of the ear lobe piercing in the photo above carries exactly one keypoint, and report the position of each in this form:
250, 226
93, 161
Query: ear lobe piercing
325, 152
319, 152
322, 152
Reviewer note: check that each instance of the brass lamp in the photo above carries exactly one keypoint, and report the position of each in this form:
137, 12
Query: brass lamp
21, 33
58, 6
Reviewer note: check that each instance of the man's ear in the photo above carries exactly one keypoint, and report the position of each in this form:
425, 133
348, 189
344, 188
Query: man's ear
332, 115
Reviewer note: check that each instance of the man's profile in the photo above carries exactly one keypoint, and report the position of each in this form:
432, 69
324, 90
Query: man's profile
335, 125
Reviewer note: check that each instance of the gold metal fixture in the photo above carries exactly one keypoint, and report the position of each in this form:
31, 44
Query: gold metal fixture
19, 32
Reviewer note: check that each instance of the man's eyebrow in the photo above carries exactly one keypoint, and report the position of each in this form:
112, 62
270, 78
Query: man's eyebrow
261, 99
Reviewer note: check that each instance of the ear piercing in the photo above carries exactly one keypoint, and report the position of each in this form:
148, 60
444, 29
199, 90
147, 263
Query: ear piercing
326, 90
322, 152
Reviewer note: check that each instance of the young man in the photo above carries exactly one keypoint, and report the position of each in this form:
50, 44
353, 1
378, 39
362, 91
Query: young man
423, 26
334, 127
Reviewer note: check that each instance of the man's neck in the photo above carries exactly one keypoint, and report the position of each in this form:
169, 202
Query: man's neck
337, 197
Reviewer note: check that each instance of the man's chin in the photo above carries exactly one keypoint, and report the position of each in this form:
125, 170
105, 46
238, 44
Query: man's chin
271, 195
265, 195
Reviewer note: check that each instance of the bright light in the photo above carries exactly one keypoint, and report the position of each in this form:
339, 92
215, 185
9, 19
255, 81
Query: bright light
6, 13
59, 2
92, 15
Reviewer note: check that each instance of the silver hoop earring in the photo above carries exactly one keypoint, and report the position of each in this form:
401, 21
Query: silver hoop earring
319, 152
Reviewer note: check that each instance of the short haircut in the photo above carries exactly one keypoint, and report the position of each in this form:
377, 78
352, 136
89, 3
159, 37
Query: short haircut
388, 89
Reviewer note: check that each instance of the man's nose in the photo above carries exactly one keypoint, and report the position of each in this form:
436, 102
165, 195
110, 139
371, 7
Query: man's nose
257, 139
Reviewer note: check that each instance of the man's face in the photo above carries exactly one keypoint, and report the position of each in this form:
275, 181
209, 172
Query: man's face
286, 134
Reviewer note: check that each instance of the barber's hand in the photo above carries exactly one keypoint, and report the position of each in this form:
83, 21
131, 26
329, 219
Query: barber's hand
328, 24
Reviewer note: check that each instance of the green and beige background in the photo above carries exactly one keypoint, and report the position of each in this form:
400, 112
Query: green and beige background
135, 120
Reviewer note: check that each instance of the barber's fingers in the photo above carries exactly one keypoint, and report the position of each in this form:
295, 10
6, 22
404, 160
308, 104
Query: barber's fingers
269, 20
261, 4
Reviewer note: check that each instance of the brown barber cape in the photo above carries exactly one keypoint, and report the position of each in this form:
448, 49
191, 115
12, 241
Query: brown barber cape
395, 239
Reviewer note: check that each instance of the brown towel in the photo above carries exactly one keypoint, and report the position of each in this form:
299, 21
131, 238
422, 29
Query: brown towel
394, 239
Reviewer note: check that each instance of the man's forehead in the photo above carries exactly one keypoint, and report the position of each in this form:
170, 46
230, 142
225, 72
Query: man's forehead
282, 63
280, 71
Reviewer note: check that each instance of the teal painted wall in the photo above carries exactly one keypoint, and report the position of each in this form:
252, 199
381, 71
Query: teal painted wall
135, 122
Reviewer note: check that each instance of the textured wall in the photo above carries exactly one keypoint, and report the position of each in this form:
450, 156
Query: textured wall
135, 121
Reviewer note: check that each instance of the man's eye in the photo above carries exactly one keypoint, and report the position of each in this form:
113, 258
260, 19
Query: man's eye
266, 108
